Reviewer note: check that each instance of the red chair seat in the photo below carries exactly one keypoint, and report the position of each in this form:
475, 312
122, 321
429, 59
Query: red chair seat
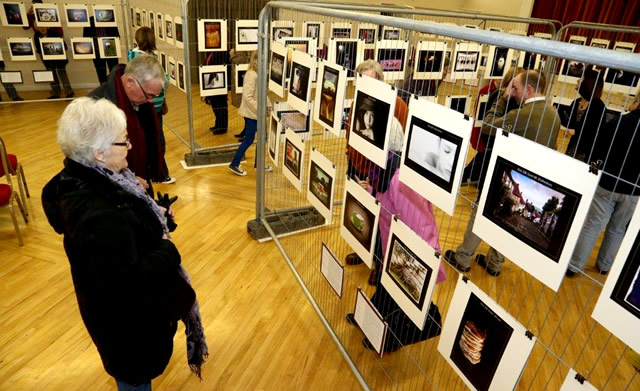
5, 194
13, 161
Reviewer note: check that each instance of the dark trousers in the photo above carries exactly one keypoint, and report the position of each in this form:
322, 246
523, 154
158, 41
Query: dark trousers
250, 126
163, 148
103, 67
221, 111
60, 77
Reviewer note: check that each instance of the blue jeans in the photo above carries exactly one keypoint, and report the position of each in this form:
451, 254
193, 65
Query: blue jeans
250, 126
613, 210
123, 386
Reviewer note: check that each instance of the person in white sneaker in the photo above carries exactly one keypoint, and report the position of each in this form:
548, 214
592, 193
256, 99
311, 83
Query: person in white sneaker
249, 111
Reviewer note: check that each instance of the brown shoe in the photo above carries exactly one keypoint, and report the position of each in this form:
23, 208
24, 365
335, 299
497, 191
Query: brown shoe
373, 277
352, 259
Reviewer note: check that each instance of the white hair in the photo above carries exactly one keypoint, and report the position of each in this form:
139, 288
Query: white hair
87, 125
144, 68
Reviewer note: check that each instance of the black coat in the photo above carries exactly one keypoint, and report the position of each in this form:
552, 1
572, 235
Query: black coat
581, 142
126, 277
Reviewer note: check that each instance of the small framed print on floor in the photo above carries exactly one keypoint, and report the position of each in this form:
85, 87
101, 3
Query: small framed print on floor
409, 272
375, 102
529, 210
246, 35
618, 307
359, 220
302, 67
434, 151
576, 382
330, 95
293, 158
392, 56
429, 62
213, 80
485, 345
466, 61
321, 185
105, 15
278, 68
498, 62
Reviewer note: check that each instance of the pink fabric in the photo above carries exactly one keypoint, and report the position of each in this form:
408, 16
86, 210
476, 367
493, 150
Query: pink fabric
413, 210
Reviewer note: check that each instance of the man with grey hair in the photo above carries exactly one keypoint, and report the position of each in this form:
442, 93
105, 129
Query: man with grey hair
132, 88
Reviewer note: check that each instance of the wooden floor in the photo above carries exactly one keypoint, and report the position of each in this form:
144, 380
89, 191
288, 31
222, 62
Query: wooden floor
261, 330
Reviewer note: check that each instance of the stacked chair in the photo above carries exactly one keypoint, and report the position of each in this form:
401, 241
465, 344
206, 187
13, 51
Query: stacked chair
7, 190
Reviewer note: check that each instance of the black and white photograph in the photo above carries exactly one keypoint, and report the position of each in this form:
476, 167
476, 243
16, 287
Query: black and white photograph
321, 184
391, 34
21, 49
499, 61
160, 26
409, 273
392, 57
77, 15
177, 23
302, 66
483, 343
571, 71
481, 109
246, 35
434, 151
181, 76
240, 70
168, 32
293, 158
277, 69
465, 61
330, 96
359, 220
367, 33
346, 53
281, 29
370, 119
13, 14
429, 61
299, 81
618, 306
621, 81
46, 15
213, 80
172, 72
529, 60
529, 210
163, 60
459, 103
109, 47
303, 45
52, 49
313, 30
104, 15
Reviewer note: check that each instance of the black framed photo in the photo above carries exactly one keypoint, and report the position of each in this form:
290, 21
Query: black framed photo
466, 61
320, 184
371, 118
430, 60
408, 271
626, 291
292, 156
341, 32
278, 33
277, 68
368, 35
213, 80
500, 64
358, 220
329, 78
391, 60
299, 81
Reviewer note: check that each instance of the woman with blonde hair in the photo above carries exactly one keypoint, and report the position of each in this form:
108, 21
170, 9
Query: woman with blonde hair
249, 111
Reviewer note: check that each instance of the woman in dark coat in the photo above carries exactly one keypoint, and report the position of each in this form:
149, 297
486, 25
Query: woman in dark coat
130, 286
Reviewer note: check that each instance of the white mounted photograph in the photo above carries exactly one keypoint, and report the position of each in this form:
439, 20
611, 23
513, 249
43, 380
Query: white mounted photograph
169, 30
429, 63
482, 342
52, 49
341, 30
46, 15
599, 43
481, 109
178, 38
21, 49
359, 220
621, 81
13, 14
281, 29
246, 35
278, 68
239, 72
77, 15
104, 15
466, 61
181, 77
213, 80
302, 67
321, 184
628, 47
305, 45
173, 71
531, 211
347, 53
109, 47
160, 26
578, 40
434, 152
618, 306
273, 138
313, 30
392, 56
293, 158
409, 271
368, 33
459, 103
571, 71
330, 93
498, 62
390, 33
374, 105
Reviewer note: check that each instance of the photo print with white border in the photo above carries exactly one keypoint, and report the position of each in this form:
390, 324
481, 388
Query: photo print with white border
246, 35
341, 30
429, 64
46, 15
179, 40
52, 49
302, 67
313, 30
466, 61
368, 34
574, 382
392, 56
169, 28
305, 45
277, 68
109, 47
293, 158
160, 26
13, 14
104, 15
498, 62
273, 138
459, 103
77, 15
321, 184
172, 72
213, 80
359, 220
281, 29
330, 93
240, 70
347, 53
21, 49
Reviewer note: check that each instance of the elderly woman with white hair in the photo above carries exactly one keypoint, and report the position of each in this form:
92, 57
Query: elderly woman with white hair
130, 286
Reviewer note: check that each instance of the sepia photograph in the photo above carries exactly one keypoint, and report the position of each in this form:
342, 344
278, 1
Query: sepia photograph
292, 158
14, 14
358, 220
408, 271
329, 79
370, 119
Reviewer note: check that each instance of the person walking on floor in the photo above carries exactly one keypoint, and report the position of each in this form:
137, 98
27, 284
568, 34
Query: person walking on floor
249, 111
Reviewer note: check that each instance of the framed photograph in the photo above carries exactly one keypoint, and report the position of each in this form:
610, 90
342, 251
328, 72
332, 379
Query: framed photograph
293, 158
302, 67
12, 77
359, 220
529, 60
173, 72
571, 71
21, 49
46, 15
144, 18
278, 68
168, 30
109, 47
429, 62
618, 307
138, 16
313, 30
273, 138
483, 343
409, 272
281, 29
621, 81
305, 45
375, 103
212, 35
347, 53
152, 22
321, 184
392, 56
294, 120
466, 61
481, 109
329, 96
368, 34
104, 15
459, 103
529, 210
498, 62
543, 35
163, 60
390, 33
600, 43
628, 47
574, 382
246, 35
43, 76
13, 14
332, 270
82, 49
340, 30
52, 49
240, 70
213, 80
578, 40
181, 77
160, 26
77, 15
434, 152
177, 22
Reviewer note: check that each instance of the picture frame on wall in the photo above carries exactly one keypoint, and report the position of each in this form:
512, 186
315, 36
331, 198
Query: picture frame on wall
212, 35
278, 68
152, 22
181, 77
179, 40
46, 15
43, 76
13, 14
239, 71
213, 80
392, 56
466, 61
341, 30
321, 184
313, 30
163, 60
273, 138
77, 15
281, 29
329, 98
429, 63
172, 71
160, 26
305, 45
599, 43
302, 67
11, 77
21, 49
246, 35
293, 158
82, 49
109, 47
498, 62
347, 53
169, 30
368, 33
143, 18
138, 18
359, 220
104, 15
52, 49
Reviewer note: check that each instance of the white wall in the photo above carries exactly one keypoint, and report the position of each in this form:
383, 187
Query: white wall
498, 7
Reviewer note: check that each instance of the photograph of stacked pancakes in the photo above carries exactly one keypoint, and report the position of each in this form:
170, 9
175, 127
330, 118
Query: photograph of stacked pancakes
472, 342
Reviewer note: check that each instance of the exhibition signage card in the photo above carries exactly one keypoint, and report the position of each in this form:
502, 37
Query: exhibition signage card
293, 158
370, 321
332, 270
359, 220
321, 185
330, 94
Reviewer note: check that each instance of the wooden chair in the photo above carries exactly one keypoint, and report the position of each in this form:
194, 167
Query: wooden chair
16, 169
8, 194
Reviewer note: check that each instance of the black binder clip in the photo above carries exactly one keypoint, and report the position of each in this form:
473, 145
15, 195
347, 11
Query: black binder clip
580, 378
505, 133
465, 279
437, 254
529, 334
466, 117
377, 202
395, 218
415, 96
594, 167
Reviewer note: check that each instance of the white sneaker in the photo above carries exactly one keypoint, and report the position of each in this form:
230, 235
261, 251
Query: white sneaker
268, 169
169, 180
237, 170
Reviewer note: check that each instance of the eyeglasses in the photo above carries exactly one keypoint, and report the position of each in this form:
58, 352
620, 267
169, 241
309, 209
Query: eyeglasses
147, 96
126, 143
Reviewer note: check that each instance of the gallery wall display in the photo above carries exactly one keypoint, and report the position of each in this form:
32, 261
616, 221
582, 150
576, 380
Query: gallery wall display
347, 53
628, 47
434, 152
341, 30
392, 56
370, 321
281, 29
321, 184
239, 71
11, 77
160, 26
181, 77
172, 72
13, 14
390, 33
293, 158
578, 40
52, 49
313, 30
104, 15
600, 43
332, 270
21, 49
618, 307
375, 103
576, 382
459, 103
483, 343
46, 15
409, 271
529, 210
329, 99
359, 220
163, 60
179, 40
466, 60
368, 34
246, 35
429, 62
109, 47
43, 76
302, 67
278, 68
213, 80
77, 15
169, 31
481, 109
273, 138
498, 62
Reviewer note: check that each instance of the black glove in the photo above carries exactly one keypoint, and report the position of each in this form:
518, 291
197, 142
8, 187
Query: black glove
165, 202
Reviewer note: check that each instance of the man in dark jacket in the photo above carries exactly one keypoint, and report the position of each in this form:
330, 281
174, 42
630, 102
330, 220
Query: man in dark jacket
616, 197
132, 89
